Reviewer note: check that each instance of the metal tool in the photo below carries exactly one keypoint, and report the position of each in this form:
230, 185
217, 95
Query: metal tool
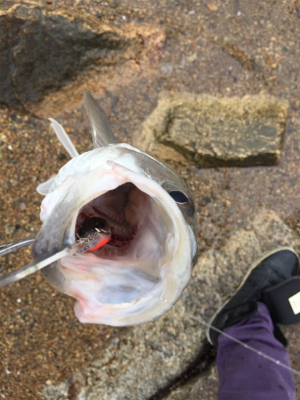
29, 269
17, 244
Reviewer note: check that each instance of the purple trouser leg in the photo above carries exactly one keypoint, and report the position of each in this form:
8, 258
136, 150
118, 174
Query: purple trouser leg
245, 375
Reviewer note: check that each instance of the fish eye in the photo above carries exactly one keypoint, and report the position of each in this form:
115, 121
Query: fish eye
179, 197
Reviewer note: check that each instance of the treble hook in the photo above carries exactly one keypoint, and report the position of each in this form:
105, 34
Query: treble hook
29, 269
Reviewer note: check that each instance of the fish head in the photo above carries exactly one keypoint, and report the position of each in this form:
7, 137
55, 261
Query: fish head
143, 268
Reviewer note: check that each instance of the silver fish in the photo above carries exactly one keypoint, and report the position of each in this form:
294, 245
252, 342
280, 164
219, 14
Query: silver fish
150, 212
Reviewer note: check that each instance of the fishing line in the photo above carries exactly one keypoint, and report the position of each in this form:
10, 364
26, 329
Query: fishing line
201, 321
260, 353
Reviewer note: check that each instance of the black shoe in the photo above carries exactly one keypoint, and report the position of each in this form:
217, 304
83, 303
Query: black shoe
283, 301
270, 270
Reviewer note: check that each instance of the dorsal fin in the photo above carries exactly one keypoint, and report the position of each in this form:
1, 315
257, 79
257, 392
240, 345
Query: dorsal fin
102, 132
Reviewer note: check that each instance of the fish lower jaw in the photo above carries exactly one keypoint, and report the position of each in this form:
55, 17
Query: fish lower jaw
124, 291
141, 310
149, 304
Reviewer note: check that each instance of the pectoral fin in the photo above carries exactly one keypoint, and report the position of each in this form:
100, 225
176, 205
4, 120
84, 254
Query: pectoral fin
43, 188
63, 138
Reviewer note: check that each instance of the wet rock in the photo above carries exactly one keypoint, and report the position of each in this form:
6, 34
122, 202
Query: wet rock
214, 132
147, 358
42, 49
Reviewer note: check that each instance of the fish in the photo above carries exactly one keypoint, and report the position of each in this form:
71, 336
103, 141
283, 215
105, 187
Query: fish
150, 245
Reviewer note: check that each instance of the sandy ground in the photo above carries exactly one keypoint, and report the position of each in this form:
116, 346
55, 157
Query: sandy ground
222, 48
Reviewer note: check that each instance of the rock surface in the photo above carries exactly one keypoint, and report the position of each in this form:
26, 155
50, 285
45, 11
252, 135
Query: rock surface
216, 132
149, 357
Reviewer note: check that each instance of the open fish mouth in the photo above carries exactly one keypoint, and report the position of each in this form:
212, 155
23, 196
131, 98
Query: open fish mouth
118, 211
122, 282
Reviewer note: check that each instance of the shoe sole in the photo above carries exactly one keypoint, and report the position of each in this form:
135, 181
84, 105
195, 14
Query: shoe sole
251, 268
